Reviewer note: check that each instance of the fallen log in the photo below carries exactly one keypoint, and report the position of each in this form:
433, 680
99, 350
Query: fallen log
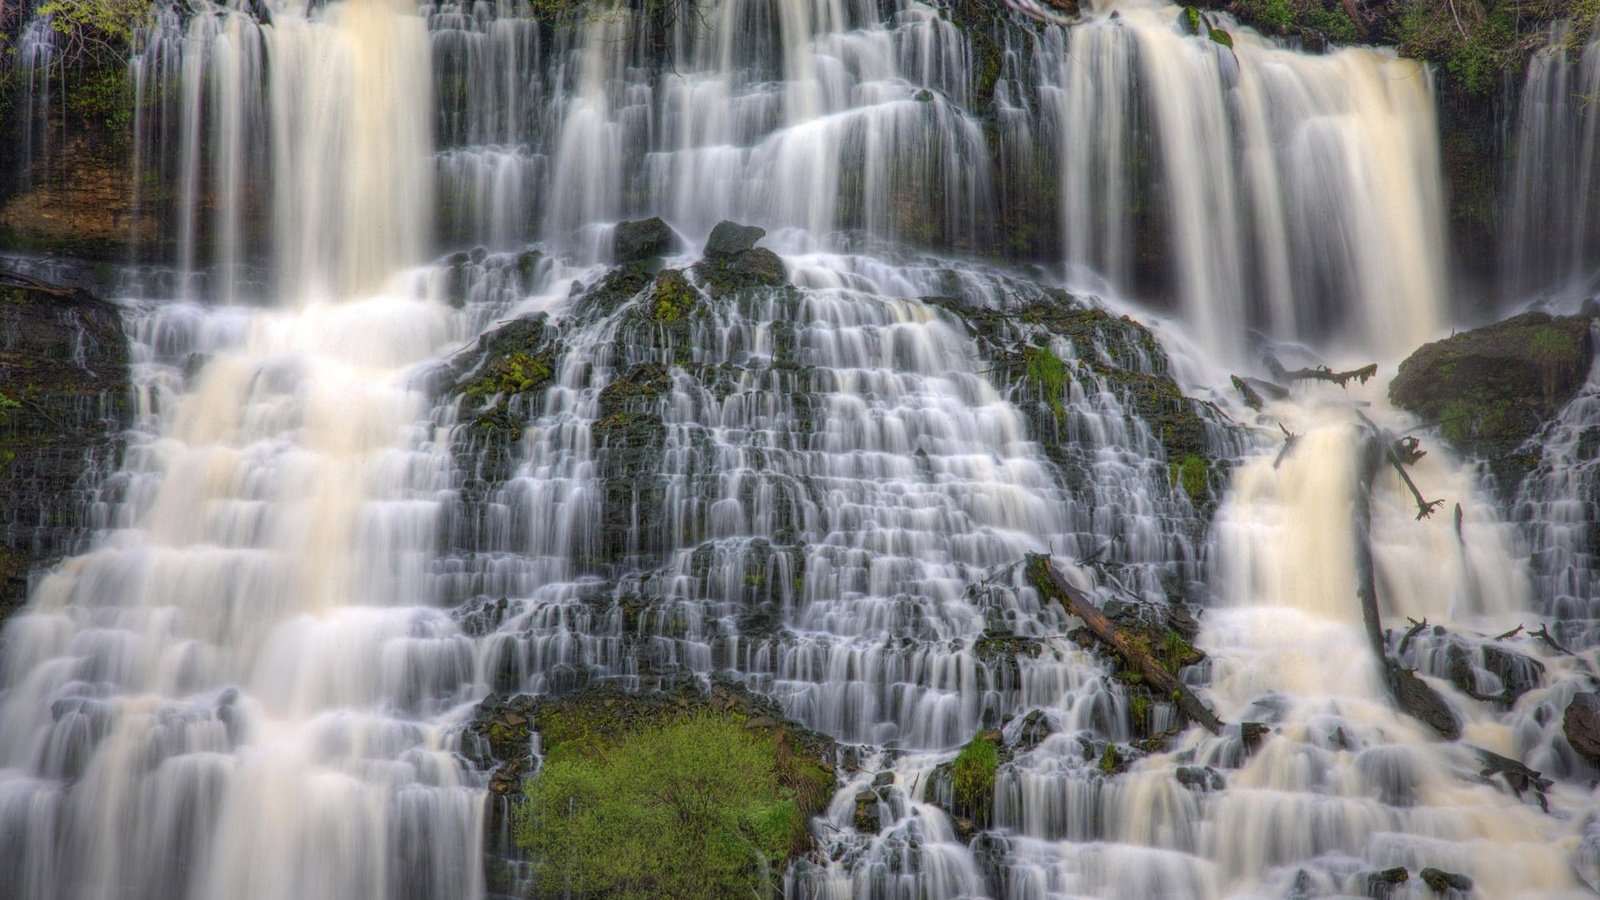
1044, 577
20, 281
1320, 373
1411, 694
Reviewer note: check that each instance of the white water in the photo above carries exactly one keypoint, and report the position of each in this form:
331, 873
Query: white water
254, 685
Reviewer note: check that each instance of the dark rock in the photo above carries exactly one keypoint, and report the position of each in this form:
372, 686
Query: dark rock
642, 240
867, 817
1201, 778
59, 417
1581, 724
1518, 673
1417, 699
1441, 881
1490, 389
1252, 734
729, 238
1036, 726
724, 274
1381, 884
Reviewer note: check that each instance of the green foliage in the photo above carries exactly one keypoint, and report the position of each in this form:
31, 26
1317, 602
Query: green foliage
95, 30
1473, 40
1190, 474
972, 773
1049, 373
103, 96
1296, 17
1111, 761
692, 808
7, 404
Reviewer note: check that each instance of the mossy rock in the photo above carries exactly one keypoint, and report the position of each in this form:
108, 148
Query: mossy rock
964, 787
672, 298
596, 732
642, 240
1491, 389
757, 268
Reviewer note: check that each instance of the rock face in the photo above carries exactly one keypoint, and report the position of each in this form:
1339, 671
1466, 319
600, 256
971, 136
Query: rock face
1490, 389
63, 397
1582, 725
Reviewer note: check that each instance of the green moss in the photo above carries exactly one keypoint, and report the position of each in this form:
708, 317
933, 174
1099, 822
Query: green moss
1190, 474
1049, 374
1297, 17
972, 773
1111, 761
696, 807
673, 298
515, 373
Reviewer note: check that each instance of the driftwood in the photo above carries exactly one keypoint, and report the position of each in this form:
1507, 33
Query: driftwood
1411, 633
1320, 373
1411, 694
1517, 775
20, 281
1399, 454
1044, 577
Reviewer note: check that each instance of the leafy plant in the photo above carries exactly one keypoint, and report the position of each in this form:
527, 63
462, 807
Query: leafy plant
95, 30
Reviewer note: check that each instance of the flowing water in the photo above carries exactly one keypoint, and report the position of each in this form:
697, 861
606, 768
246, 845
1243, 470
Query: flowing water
256, 683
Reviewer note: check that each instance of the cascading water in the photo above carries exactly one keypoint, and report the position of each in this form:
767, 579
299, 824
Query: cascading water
1551, 234
341, 532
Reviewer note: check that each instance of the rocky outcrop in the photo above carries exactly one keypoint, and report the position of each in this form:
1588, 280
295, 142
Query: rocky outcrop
63, 400
1491, 389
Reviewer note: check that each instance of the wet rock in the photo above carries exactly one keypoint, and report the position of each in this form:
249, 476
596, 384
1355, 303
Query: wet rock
1442, 881
1490, 389
1581, 725
1417, 699
1381, 885
642, 240
1518, 673
63, 403
1035, 727
729, 238
868, 819
757, 268
1203, 779
1251, 734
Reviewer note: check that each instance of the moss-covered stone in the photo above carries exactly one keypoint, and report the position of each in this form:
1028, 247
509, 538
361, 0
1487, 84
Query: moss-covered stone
592, 730
1491, 389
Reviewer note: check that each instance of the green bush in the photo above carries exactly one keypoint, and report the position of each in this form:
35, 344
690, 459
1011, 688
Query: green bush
95, 30
972, 774
693, 808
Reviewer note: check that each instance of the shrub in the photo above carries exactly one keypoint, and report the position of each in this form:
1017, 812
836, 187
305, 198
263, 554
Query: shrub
693, 808
95, 30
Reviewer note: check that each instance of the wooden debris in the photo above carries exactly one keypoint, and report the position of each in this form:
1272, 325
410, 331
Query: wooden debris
1044, 577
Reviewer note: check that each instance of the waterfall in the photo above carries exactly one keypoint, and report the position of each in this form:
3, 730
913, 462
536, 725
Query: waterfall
812, 467
1551, 236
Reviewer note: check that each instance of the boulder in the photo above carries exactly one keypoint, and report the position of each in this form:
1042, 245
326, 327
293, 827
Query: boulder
1490, 389
1581, 724
729, 238
642, 240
